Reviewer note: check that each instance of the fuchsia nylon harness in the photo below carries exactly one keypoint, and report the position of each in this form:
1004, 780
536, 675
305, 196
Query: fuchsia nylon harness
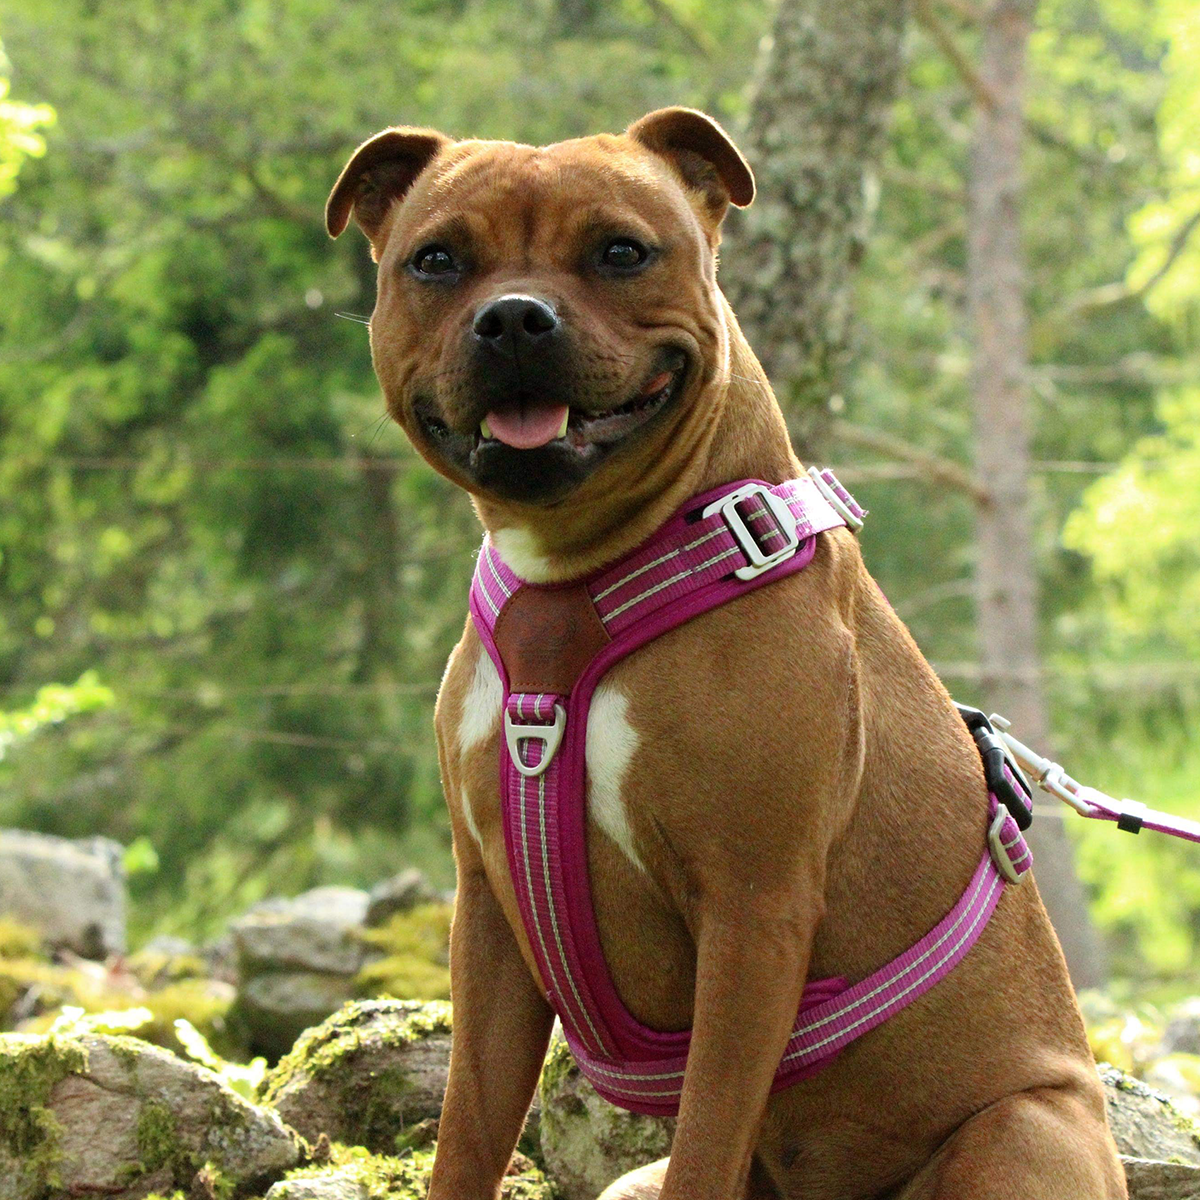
721, 545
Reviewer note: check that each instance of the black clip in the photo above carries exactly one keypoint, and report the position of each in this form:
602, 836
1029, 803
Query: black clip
1019, 799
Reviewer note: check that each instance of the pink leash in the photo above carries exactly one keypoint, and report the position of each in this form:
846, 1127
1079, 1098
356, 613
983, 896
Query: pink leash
1129, 815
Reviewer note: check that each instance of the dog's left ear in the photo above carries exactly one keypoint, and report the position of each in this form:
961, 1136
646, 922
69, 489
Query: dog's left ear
703, 154
378, 174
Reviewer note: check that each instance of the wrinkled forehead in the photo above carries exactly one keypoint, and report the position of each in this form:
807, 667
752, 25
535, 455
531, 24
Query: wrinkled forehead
552, 197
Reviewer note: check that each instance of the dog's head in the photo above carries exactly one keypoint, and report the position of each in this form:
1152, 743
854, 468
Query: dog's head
544, 313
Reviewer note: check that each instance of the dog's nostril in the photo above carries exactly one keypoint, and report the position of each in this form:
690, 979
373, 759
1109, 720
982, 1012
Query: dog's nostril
539, 318
488, 323
514, 316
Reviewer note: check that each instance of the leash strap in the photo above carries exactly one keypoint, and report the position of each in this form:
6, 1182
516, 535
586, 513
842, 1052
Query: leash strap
1129, 815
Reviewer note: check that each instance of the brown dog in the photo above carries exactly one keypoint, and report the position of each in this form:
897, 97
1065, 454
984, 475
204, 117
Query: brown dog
526, 287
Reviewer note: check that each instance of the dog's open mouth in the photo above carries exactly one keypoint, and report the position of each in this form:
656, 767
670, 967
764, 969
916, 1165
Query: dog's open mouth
530, 426
534, 449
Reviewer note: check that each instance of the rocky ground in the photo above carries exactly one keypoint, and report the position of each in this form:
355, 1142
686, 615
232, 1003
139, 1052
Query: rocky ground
132, 1076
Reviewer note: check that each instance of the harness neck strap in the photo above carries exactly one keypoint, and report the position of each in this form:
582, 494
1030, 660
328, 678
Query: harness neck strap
720, 544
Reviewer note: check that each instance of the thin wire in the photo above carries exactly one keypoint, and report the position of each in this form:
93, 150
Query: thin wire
95, 462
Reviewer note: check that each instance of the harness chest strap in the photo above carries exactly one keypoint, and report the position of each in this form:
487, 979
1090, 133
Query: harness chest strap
551, 646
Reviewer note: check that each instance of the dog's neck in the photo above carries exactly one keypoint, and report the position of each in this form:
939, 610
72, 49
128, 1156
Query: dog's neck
744, 437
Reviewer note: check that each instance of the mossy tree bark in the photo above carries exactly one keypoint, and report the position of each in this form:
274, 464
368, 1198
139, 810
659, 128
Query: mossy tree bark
1006, 575
816, 129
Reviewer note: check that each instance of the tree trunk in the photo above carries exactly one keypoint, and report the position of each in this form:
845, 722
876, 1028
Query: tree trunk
1006, 579
816, 128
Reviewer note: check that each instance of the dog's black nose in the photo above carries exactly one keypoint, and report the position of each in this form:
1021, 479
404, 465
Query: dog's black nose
515, 318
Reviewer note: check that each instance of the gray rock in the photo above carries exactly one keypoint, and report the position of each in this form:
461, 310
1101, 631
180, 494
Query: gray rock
220, 958
398, 1177
316, 931
1144, 1122
116, 1116
276, 1009
399, 894
586, 1142
1182, 1034
334, 1183
166, 946
71, 892
1149, 1180
366, 1076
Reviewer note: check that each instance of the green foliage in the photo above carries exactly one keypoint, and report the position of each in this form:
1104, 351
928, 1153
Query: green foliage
199, 491
172, 1005
245, 1078
204, 502
21, 128
52, 705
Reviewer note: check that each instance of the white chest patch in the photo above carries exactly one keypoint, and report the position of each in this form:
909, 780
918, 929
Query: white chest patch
610, 746
520, 550
482, 708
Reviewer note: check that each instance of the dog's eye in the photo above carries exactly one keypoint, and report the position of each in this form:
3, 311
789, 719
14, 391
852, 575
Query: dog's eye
434, 260
624, 254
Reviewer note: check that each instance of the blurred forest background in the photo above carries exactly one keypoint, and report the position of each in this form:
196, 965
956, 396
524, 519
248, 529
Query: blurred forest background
228, 587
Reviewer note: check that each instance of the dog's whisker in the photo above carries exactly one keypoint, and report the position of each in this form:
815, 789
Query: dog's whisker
353, 317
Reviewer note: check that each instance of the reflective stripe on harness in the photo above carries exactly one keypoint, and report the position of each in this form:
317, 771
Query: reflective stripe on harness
721, 545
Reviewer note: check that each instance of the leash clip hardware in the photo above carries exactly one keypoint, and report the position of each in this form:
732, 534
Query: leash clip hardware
549, 735
783, 516
1000, 855
1009, 786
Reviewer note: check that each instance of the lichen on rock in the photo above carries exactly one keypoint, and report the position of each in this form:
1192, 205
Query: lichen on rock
1144, 1122
30, 1132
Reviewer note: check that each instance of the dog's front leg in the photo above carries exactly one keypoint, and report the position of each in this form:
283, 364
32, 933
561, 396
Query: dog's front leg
752, 957
501, 1031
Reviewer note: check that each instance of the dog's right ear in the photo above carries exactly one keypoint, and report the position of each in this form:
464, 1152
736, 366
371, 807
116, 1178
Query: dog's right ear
378, 174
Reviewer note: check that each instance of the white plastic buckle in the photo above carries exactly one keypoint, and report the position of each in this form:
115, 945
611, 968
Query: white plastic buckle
784, 518
853, 522
549, 735
998, 849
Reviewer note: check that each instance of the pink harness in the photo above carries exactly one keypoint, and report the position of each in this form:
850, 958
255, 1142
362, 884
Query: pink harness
721, 545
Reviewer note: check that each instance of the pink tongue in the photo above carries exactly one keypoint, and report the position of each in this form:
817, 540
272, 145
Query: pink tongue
527, 428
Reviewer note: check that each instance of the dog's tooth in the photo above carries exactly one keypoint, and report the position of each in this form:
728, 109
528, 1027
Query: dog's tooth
483, 429
566, 417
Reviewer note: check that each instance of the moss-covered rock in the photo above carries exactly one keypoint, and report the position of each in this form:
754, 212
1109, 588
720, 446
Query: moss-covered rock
114, 1116
355, 1174
586, 1142
413, 949
399, 894
367, 1075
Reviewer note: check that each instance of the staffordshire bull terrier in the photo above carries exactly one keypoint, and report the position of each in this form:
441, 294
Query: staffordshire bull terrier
779, 790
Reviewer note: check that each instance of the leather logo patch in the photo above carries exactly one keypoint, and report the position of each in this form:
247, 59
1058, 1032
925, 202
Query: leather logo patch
547, 637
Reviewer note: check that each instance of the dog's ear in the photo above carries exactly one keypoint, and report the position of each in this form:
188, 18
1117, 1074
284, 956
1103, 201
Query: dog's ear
703, 155
379, 172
